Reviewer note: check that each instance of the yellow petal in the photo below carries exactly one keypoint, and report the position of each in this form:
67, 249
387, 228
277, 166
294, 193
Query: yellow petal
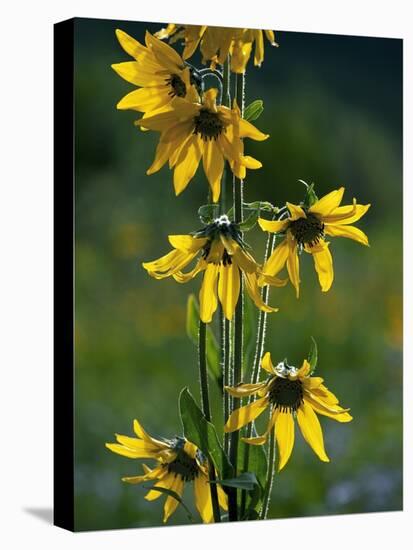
284, 433
169, 264
274, 226
165, 483
163, 151
267, 364
241, 257
167, 56
140, 432
133, 72
138, 444
259, 48
277, 260
348, 231
228, 288
304, 371
245, 390
346, 214
326, 204
311, 430
129, 44
335, 412
203, 502
145, 99
171, 503
187, 164
130, 453
242, 416
208, 300
222, 498
185, 277
187, 243
250, 162
293, 264
323, 263
295, 211
190, 449
157, 473
213, 162
246, 129
253, 290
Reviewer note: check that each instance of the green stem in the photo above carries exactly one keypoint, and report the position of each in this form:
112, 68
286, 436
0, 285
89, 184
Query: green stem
206, 409
238, 321
259, 350
270, 477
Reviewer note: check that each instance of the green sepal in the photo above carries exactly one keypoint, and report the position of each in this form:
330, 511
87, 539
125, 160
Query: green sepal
310, 195
254, 110
208, 212
212, 348
265, 206
313, 355
202, 433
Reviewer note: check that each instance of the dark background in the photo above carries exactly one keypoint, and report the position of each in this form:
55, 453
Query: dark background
333, 107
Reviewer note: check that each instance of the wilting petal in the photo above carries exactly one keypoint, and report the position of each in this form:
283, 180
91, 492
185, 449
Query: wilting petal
185, 277
311, 430
326, 204
242, 416
213, 162
208, 300
347, 231
157, 473
251, 286
171, 503
245, 390
277, 260
284, 433
335, 412
323, 263
165, 483
293, 264
228, 288
131, 453
203, 502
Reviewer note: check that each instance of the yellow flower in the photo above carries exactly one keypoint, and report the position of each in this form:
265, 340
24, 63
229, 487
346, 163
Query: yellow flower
289, 393
191, 131
222, 259
305, 229
216, 43
179, 461
158, 70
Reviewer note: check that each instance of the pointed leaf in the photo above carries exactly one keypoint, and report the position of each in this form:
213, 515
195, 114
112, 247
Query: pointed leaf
313, 355
254, 110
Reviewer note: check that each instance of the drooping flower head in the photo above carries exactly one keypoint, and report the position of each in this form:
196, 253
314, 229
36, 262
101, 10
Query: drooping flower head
290, 394
216, 43
222, 257
305, 229
191, 131
178, 462
158, 70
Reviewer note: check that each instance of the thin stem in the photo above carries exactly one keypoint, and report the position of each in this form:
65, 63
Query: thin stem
238, 321
270, 477
259, 350
206, 409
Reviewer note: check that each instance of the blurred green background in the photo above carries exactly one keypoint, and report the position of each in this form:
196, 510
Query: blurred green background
333, 107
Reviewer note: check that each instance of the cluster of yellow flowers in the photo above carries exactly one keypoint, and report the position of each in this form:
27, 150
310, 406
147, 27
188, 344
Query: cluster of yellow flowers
194, 124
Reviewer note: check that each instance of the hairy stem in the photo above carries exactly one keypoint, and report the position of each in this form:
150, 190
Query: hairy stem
270, 477
206, 409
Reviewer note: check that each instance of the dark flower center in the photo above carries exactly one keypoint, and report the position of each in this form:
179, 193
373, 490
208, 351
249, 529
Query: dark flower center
178, 87
184, 466
286, 395
208, 124
307, 230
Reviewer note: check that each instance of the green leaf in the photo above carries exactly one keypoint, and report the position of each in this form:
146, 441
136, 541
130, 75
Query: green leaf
212, 348
257, 461
250, 222
201, 432
260, 205
174, 495
208, 212
313, 355
246, 481
254, 110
